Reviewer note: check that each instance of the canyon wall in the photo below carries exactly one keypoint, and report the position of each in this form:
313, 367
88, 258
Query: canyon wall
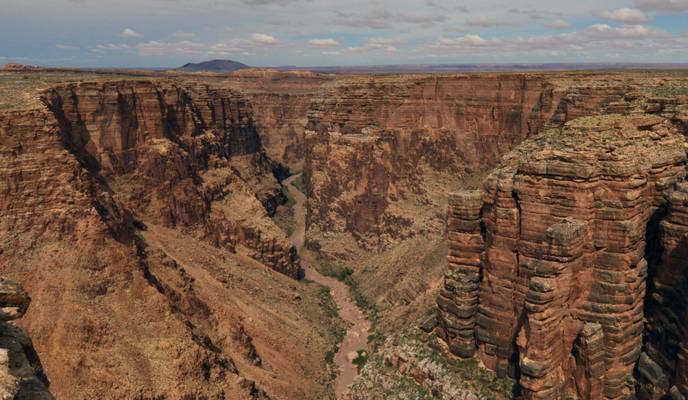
135, 213
21, 372
548, 262
280, 102
179, 156
381, 151
375, 143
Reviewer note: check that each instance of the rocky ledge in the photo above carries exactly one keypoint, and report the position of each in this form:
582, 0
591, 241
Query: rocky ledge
551, 261
21, 373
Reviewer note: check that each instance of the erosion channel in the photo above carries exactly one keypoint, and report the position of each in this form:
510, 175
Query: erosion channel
357, 333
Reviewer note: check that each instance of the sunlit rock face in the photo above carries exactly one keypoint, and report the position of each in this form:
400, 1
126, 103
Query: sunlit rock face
548, 262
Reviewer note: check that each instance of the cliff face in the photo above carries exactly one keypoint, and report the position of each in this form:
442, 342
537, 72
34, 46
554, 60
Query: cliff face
178, 156
21, 372
281, 121
548, 263
130, 211
662, 368
374, 144
280, 101
381, 151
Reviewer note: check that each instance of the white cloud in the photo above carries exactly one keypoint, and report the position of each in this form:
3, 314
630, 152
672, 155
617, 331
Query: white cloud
66, 47
625, 15
183, 35
376, 45
323, 43
599, 36
130, 33
662, 5
487, 22
558, 24
263, 38
110, 47
189, 48
383, 19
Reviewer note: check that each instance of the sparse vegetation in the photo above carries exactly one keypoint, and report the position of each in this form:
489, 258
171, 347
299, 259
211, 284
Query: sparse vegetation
300, 184
337, 329
361, 359
345, 274
284, 216
435, 376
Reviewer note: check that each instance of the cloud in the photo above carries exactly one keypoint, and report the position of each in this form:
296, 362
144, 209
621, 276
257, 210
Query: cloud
323, 43
183, 35
110, 47
595, 37
269, 2
263, 38
625, 15
558, 24
383, 19
486, 22
376, 45
534, 14
66, 47
662, 5
130, 33
189, 48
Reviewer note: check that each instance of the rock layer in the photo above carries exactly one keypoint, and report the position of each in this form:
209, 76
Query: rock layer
133, 231
374, 144
562, 277
21, 372
178, 156
662, 368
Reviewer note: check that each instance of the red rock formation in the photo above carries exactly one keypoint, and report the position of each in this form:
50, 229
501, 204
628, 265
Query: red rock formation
374, 142
280, 102
123, 310
381, 150
563, 273
662, 368
177, 156
21, 372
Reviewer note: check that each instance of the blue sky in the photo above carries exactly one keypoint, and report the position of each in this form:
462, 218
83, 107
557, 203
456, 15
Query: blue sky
169, 33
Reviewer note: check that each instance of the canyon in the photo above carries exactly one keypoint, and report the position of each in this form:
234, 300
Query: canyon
495, 235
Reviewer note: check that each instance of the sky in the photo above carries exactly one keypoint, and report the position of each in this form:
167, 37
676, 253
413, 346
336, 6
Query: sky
169, 33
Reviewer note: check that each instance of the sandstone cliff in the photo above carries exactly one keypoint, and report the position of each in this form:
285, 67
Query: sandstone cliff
382, 151
374, 141
280, 101
21, 372
132, 213
178, 156
548, 263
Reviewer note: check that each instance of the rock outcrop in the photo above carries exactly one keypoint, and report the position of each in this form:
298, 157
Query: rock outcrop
21, 373
381, 151
663, 367
280, 101
376, 145
548, 262
132, 213
178, 156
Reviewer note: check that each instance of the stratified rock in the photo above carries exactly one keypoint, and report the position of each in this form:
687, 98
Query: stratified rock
458, 299
664, 364
108, 219
563, 274
375, 145
14, 301
21, 372
177, 156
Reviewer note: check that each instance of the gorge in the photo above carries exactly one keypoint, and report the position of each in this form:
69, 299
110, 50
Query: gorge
494, 235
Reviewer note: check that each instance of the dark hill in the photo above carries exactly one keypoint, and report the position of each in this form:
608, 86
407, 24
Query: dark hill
214, 66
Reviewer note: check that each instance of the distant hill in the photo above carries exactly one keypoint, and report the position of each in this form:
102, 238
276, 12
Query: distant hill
214, 66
